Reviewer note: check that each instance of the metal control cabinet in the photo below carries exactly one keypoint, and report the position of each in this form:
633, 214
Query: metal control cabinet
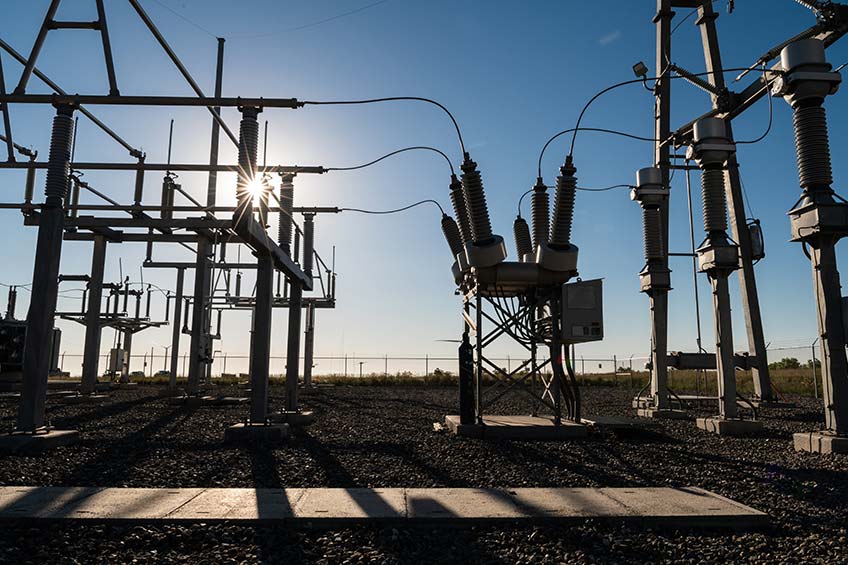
582, 311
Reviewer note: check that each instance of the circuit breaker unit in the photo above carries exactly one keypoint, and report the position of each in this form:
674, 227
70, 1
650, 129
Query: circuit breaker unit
582, 311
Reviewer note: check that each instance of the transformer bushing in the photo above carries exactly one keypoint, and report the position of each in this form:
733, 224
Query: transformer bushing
717, 256
558, 253
460, 211
284, 226
710, 149
650, 193
523, 243
541, 213
485, 248
454, 239
818, 220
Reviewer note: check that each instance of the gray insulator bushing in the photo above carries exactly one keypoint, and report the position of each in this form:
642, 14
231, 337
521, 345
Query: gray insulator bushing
652, 232
248, 147
58, 164
452, 236
714, 200
460, 210
284, 227
541, 204
812, 146
475, 200
521, 231
566, 189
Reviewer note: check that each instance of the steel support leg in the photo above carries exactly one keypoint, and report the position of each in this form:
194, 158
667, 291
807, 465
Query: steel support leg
125, 370
725, 365
659, 346
309, 346
260, 340
45, 276
176, 330
199, 354
834, 365
293, 346
91, 353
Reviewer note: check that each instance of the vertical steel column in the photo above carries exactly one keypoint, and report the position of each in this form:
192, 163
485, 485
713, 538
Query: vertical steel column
293, 346
175, 332
107, 48
662, 159
736, 208
216, 129
834, 365
198, 350
45, 276
466, 372
260, 340
91, 353
725, 364
309, 345
125, 369
29, 66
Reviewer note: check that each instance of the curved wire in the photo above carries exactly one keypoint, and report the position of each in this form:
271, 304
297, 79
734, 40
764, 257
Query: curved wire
602, 130
634, 81
604, 189
386, 156
391, 99
522, 198
771, 115
396, 210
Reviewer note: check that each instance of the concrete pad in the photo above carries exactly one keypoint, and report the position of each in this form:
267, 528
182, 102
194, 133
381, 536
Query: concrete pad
726, 427
248, 433
168, 392
774, 404
352, 504
517, 428
820, 442
684, 507
230, 400
295, 419
86, 399
121, 386
664, 414
25, 442
239, 504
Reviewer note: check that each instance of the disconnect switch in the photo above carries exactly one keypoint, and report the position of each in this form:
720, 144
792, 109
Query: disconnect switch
582, 311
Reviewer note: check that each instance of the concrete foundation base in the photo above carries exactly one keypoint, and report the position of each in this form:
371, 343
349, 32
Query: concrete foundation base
615, 423
207, 400
295, 419
85, 399
725, 427
821, 442
26, 442
249, 433
774, 404
168, 392
517, 427
662, 414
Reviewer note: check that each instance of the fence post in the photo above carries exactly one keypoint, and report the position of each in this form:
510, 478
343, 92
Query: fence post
386, 369
426, 365
345, 368
631, 371
615, 369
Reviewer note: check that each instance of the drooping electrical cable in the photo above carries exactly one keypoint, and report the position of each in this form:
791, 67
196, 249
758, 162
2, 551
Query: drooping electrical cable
601, 130
387, 155
391, 99
771, 114
604, 189
394, 211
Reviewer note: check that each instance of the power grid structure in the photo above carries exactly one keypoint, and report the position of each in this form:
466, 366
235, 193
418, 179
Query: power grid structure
537, 301
59, 219
803, 77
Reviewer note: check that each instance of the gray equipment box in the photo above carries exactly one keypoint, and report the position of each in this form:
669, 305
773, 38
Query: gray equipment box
582, 311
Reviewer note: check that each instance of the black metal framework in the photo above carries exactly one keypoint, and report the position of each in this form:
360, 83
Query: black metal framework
531, 319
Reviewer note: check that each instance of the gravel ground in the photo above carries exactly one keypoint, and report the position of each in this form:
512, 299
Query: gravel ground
383, 436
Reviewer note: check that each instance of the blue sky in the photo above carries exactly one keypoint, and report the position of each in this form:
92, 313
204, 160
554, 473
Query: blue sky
513, 73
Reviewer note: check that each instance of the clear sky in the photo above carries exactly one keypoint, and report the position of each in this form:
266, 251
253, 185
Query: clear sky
513, 73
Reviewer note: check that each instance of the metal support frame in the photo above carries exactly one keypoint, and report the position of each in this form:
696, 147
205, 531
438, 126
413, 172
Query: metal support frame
489, 318
177, 326
200, 348
309, 344
50, 24
763, 389
45, 277
662, 159
93, 328
127, 348
260, 340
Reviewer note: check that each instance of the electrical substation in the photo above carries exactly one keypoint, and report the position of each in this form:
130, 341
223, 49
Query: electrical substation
521, 292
